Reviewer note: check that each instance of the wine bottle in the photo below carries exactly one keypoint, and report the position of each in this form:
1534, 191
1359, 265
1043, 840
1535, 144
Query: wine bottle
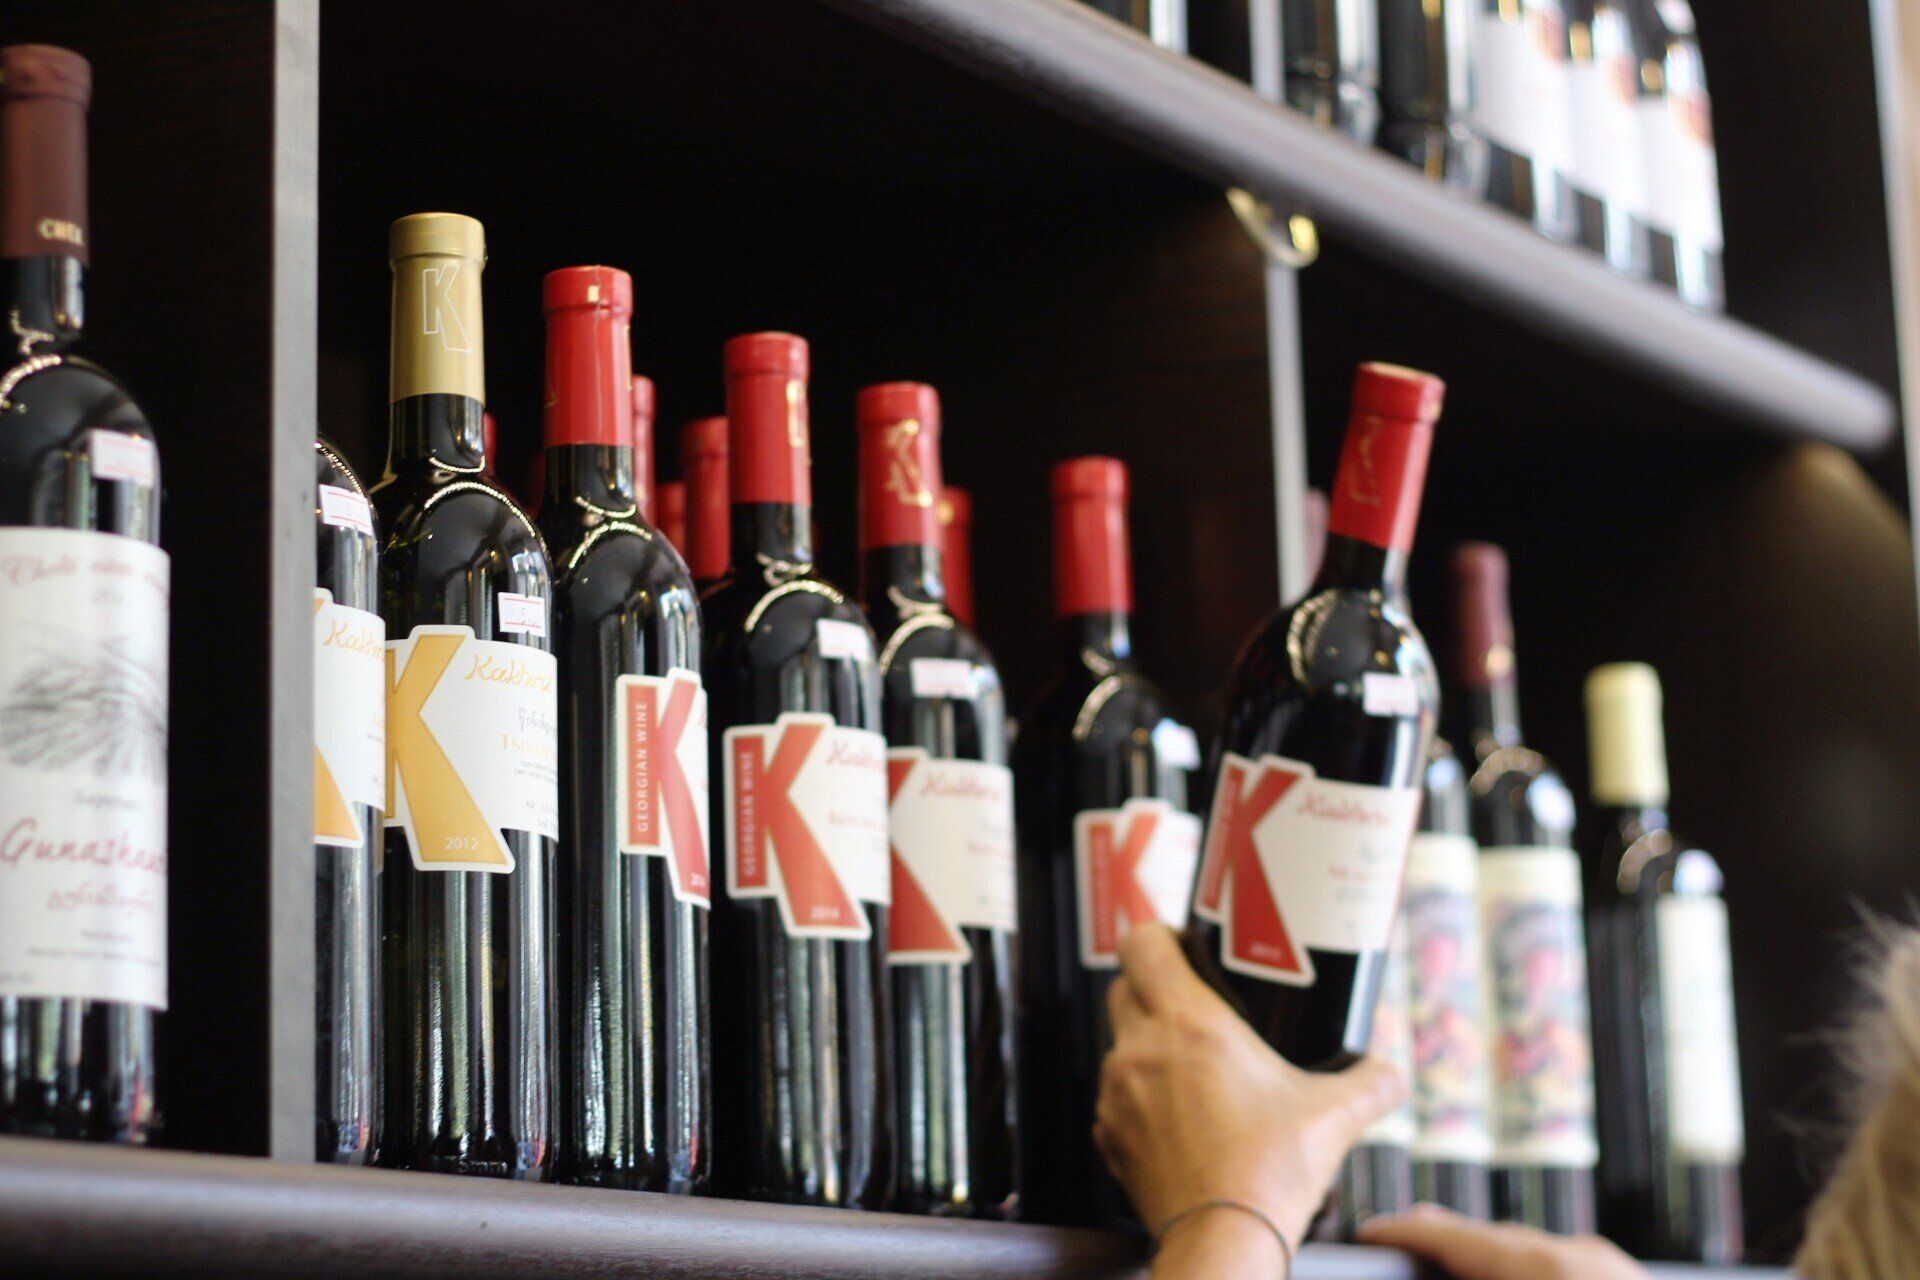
643, 489
703, 452
349, 797
1520, 106
633, 885
1670, 1122
1106, 840
801, 984
83, 666
1162, 21
671, 513
1683, 175
1447, 1007
1377, 1175
1425, 104
1544, 1148
956, 552
472, 740
1329, 716
1330, 51
951, 926
1607, 147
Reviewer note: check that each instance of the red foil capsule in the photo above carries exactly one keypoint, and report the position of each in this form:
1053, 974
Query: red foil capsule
1092, 563
703, 460
899, 425
956, 551
44, 94
769, 451
589, 362
642, 401
1482, 615
1383, 465
670, 512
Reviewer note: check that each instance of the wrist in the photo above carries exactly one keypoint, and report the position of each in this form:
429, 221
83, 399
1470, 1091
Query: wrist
1223, 1238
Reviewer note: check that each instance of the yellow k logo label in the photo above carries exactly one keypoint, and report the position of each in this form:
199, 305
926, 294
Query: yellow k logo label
444, 823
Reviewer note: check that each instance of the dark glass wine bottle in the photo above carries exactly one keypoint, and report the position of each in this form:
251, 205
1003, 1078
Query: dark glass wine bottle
1670, 1122
1106, 840
800, 978
83, 666
956, 552
951, 927
671, 514
703, 453
349, 797
1544, 1147
1330, 713
1440, 918
472, 740
1425, 101
633, 889
1377, 1176
1330, 52
1683, 181
1520, 106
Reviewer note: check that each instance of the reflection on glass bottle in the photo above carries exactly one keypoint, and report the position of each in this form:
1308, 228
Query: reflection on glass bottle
1425, 99
1330, 52
1163, 21
1520, 105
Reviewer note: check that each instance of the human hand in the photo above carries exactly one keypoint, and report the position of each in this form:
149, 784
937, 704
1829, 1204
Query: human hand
1195, 1106
1470, 1250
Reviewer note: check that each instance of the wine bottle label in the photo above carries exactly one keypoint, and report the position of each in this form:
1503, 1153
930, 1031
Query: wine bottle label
83, 766
345, 509
1606, 159
1702, 1057
349, 719
1500, 55
806, 821
661, 763
1546, 88
1132, 865
1295, 861
1537, 971
1392, 1041
1446, 1000
117, 455
1695, 170
472, 747
942, 677
951, 824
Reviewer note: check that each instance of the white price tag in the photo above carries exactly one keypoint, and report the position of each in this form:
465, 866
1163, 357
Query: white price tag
522, 615
119, 456
345, 509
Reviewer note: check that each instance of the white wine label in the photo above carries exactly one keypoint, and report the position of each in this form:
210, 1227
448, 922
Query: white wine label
345, 509
806, 822
1392, 1041
1295, 861
1501, 52
1446, 1000
472, 747
941, 677
660, 730
1702, 1057
1537, 970
83, 766
844, 639
952, 832
522, 615
119, 456
1388, 693
1132, 865
1696, 169
1615, 159
1176, 745
349, 718
1546, 88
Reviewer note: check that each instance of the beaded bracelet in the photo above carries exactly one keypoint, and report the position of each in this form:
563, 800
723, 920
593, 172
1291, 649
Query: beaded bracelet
1221, 1202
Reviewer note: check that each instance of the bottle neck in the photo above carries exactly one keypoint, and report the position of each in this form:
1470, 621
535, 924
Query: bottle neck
45, 300
444, 432
763, 533
903, 574
593, 480
1496, 716
1355, 564
1102, 638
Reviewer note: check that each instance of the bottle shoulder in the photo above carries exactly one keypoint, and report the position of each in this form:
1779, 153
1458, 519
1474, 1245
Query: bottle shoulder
460, 511
1333, 637
47, 398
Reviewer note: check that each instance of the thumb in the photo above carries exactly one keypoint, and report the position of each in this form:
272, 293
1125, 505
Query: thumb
1364, 1092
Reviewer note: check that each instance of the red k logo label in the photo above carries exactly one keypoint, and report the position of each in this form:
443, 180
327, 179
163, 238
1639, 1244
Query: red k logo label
774, 849
1133, 865
662, 733
1234, 890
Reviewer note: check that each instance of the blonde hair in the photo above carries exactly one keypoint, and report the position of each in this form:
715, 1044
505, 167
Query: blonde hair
1866, 1224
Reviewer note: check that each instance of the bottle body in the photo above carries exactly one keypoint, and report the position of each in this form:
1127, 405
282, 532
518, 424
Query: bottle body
83, 668
350, 780
1332, 64
1521, 106
1426, 107
1683, 178
1377, 1176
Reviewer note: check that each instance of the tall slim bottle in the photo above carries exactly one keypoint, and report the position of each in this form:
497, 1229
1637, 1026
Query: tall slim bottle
349, 796
633, 886
1330, 713
1447, 1007
473, 750
1426, 102
1107, 840
800, 978
1683, 170
703, 453
1607, 146
1520, 106
956, 552
83, 665
1544, 1147
1670, 1120
951, 930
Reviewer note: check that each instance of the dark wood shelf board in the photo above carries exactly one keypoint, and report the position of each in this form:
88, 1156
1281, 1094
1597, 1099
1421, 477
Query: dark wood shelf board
1200, 120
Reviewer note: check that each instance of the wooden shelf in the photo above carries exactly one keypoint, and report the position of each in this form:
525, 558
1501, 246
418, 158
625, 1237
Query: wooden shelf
1110, 78
77, 1209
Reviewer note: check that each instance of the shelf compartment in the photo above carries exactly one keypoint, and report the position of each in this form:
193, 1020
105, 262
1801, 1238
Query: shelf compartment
1103, 74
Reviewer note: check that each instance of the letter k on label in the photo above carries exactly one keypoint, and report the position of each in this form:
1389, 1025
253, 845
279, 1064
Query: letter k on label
661, 814
443, 822
1234, 889
764, 806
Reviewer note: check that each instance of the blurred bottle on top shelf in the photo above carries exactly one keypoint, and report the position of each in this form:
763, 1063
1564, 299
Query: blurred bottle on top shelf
956, 550
1683, 175
1610, 189
1521, 106
1426, 102
1330, 63
1162, 21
